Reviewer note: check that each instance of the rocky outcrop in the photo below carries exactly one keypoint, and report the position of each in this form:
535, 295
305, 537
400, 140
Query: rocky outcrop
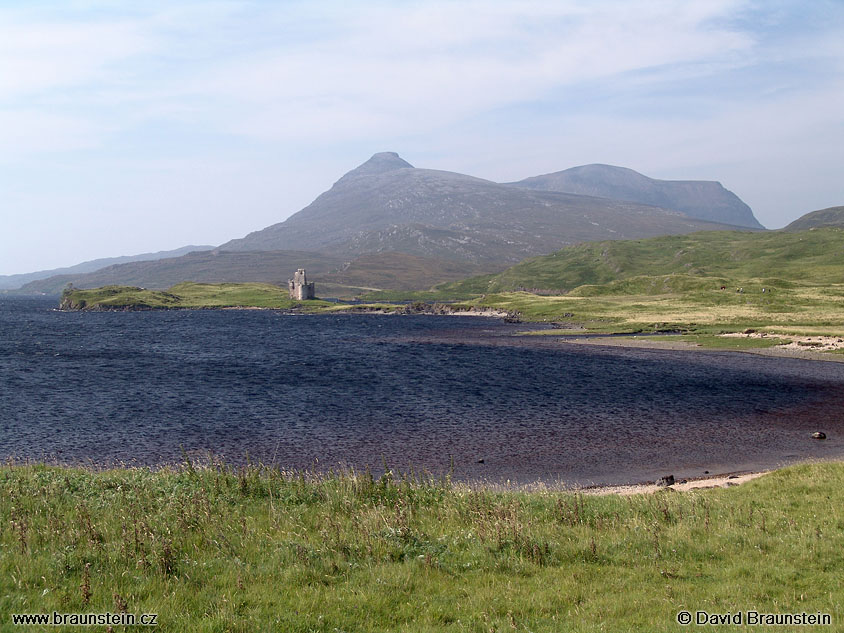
667, 480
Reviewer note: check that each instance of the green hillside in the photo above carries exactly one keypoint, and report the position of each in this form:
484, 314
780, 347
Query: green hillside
777, 258
833, 216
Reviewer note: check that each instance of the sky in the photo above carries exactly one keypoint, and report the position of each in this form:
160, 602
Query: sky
132, 127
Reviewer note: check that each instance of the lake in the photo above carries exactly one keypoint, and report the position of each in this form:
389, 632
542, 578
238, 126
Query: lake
421, 392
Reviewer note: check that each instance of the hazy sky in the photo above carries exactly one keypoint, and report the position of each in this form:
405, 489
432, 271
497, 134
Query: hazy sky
142, 126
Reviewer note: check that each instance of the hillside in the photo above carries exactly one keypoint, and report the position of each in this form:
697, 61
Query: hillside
12, 282
397, 271
388, 205
805, 257
335, 278
833, 216
705, 200
208, 266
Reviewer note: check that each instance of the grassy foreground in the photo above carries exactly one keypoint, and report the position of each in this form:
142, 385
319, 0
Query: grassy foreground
259, 550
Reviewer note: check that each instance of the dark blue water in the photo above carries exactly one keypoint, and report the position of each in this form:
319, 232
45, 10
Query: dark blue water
417, 391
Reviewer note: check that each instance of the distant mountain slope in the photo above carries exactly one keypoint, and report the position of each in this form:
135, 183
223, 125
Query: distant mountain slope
833, 216
208, 266
705, 200
12, 282
390, 271
808, 256
388, 205
398, 271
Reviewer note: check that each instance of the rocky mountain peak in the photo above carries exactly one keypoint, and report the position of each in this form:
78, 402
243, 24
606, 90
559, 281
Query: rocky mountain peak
380, 163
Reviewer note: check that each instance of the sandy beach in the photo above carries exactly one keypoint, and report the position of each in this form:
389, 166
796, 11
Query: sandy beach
683, 485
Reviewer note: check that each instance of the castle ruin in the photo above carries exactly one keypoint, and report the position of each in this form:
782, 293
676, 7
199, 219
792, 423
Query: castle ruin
299, 287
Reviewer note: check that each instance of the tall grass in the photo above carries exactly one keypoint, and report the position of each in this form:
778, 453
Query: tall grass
256, 549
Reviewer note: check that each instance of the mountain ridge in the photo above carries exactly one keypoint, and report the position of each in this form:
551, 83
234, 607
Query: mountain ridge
703, 199
386, 204
14, 282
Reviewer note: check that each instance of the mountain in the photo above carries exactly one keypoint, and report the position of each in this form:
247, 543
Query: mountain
833, 216
13, 282
700, 199
773, 257
386, 204
387, 224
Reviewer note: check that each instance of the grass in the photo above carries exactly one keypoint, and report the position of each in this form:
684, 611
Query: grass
186, 295
772, 258
788, 311
218, 549
712, 341
702, 284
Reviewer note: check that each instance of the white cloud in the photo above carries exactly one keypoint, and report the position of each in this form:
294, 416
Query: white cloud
344, 72
400, 69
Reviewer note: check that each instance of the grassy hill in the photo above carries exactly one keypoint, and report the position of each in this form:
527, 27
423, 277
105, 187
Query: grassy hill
708, 283
833, 216
260, 549
775, 258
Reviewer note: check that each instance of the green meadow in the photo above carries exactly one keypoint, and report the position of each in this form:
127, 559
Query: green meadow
186, 295
256, 549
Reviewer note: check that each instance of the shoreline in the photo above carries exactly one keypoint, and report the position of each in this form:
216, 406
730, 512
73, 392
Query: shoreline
634, 341
396, 310
726, 480
685, 484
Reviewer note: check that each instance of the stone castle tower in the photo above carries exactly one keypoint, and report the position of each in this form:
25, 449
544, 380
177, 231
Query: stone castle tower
299, 287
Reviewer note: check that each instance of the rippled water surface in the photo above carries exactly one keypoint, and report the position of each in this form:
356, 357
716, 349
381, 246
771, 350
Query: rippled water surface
418, 391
